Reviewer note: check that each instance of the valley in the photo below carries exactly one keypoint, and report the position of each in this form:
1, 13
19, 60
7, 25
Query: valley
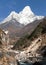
23, 38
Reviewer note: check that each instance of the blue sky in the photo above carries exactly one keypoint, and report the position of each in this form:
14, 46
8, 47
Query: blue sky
6, 6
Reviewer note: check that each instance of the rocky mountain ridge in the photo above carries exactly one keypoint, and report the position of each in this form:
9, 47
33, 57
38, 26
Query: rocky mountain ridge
18, 23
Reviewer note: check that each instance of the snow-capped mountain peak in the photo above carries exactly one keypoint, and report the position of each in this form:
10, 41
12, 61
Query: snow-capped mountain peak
25, 16
12, 15
26, 12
